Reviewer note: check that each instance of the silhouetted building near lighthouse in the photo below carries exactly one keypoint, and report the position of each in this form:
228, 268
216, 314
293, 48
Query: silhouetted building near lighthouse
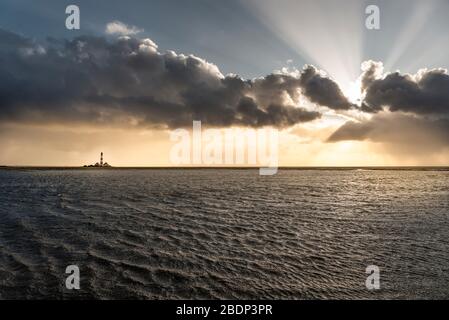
100, 164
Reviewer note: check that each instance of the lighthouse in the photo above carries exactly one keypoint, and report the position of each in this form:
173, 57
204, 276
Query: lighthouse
100, 164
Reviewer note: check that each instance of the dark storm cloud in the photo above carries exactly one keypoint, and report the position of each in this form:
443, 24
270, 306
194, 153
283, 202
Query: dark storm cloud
322, 90
398, 129
427, 92
411, 111
13, 41
127, 81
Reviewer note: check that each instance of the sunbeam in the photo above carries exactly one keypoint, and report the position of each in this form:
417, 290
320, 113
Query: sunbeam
324, 33
420, 15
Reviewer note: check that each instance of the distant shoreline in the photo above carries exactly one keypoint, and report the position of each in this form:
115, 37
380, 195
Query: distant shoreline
405, 168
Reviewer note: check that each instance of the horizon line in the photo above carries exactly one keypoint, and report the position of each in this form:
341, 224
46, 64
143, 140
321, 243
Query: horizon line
49, 167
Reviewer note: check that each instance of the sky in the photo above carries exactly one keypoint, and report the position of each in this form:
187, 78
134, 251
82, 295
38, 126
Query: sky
340, 94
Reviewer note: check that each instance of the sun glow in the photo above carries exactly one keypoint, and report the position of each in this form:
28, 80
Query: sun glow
353, 91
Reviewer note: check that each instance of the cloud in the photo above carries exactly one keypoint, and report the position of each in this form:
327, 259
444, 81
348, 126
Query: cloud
425, 93
411, 112
322, 90
119, 28
399, 131
128, 82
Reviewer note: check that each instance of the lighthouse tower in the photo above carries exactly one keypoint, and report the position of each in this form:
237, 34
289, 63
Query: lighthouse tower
99, 164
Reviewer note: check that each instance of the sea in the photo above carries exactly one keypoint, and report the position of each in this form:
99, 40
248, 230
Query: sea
224, 233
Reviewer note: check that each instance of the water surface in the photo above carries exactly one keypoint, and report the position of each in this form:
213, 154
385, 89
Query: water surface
197, 234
